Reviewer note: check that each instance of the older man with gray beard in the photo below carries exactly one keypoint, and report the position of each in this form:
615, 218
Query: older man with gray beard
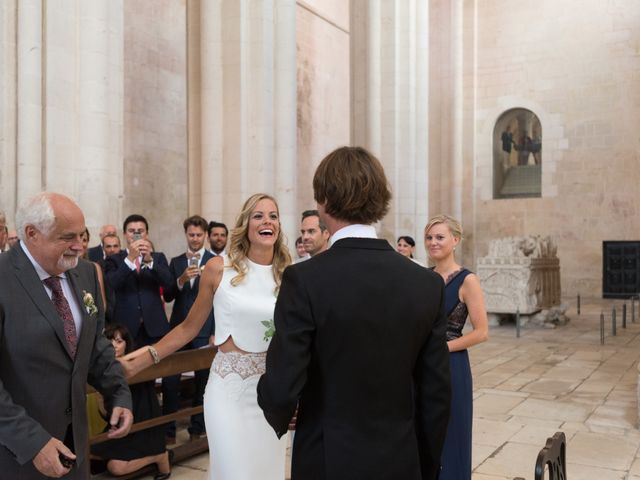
51, 346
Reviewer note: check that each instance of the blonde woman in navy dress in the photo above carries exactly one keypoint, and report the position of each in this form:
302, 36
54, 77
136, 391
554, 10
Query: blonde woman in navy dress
463, 299
242, 287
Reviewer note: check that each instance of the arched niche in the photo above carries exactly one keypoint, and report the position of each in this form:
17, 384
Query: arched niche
517, 154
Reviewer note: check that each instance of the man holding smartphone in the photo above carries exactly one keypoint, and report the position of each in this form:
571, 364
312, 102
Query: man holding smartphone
185, 271
137, 275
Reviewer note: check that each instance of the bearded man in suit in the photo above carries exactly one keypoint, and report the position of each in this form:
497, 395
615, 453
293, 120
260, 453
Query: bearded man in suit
51, 346
359, 343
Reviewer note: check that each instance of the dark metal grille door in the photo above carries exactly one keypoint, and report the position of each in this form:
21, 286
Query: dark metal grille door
620, 269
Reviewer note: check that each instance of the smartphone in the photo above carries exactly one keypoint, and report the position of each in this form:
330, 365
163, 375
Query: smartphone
193, 261
66, 461
136, 236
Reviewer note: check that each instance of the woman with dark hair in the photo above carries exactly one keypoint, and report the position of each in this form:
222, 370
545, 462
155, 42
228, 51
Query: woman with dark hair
463, 298
138, 449
242, 288
406, 246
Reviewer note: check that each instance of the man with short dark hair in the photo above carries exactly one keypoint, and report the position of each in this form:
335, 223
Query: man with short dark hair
136, 275
359, 343
218, 233
315, 236
51, 346
97, 253
185, 271
110, 246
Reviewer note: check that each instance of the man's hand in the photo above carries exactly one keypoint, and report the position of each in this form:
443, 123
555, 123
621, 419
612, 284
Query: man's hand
121, 420
190, 272
145, 249
47, 461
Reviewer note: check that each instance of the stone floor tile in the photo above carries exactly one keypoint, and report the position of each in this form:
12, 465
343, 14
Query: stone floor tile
598, 450
635, 467
479, 453
557, 410
583, 472
198, 462
551, 425
493, 403
512, 460
534, 435
493, 433
480, 476
551, 386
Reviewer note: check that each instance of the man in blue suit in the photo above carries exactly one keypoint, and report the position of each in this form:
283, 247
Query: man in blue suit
185, 271
136, 275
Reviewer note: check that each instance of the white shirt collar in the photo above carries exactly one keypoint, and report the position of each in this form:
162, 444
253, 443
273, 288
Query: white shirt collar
354, 231
42, 273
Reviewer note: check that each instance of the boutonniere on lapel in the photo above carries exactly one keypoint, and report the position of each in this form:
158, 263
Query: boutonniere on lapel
271, 329
202, 268
89, 303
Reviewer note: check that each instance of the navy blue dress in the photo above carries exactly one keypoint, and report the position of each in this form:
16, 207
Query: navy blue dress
456, 453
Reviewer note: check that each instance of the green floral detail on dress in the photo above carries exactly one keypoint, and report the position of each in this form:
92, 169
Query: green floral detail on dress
270, 329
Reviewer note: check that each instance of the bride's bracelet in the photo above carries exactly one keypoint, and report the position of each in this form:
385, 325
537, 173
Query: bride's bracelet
154, 355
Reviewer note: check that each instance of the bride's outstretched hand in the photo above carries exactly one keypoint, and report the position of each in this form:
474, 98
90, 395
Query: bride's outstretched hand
132, 362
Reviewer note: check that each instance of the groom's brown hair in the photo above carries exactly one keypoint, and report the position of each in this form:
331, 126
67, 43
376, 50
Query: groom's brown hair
351, 184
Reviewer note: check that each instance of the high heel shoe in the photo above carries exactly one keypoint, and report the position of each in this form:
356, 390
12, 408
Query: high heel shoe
164, 476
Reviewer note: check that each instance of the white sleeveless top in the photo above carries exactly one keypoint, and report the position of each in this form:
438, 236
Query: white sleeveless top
239, 311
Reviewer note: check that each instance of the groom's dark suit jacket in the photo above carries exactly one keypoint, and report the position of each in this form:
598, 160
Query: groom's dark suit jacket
42, 388
360, 342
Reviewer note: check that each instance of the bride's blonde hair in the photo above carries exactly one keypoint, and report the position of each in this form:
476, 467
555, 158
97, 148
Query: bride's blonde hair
239, 243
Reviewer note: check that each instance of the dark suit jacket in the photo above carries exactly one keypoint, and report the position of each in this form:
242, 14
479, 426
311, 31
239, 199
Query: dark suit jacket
360, 342
185, 298
96, 254
138, 294
42, 389
110, 294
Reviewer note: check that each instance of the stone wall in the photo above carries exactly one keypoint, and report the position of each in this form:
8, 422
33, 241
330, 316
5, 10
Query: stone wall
323, 88
155, 118
577, 70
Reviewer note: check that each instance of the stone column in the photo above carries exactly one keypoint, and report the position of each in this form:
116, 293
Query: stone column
248, 111
84, 101
458, 133
390, 63
8, 109
30, 148
99, 175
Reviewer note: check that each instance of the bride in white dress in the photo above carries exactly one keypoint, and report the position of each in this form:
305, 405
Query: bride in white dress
242, 288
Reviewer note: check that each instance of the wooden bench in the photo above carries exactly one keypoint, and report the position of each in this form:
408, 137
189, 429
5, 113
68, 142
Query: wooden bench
179, 362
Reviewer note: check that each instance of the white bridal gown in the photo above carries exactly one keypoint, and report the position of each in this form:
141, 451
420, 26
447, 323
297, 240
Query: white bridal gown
242, 445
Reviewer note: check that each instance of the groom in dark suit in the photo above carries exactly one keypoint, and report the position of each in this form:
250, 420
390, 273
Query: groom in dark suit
359, 343
51, 345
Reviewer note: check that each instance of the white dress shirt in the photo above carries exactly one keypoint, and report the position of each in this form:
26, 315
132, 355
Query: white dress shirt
354, 231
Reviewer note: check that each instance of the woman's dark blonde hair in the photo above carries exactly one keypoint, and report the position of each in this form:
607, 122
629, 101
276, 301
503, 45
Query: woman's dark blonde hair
239, 243
454, 225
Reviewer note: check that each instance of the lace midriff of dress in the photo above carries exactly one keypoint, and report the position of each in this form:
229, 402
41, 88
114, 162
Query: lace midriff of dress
244, 365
